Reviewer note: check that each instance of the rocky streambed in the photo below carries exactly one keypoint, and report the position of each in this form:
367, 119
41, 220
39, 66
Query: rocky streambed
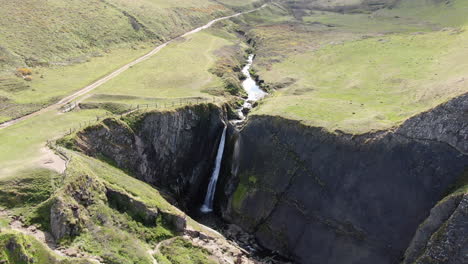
254, 93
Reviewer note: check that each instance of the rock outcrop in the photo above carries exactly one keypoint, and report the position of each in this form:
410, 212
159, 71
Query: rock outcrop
443, 236
309, 194
322, 197
173, 150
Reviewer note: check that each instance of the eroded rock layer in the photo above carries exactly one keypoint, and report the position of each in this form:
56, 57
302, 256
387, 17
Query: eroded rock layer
323, 197
173, 150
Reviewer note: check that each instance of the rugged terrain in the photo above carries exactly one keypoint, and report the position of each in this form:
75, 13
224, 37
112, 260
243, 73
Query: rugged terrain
357, 155
354, 199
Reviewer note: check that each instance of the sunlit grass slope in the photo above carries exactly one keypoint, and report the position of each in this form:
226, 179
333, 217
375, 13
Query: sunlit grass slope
42, 32
67, 45
367, 71
19, 97
181, 70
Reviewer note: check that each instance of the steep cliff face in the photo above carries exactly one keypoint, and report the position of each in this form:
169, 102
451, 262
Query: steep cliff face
173, 150
443, 236
335, 198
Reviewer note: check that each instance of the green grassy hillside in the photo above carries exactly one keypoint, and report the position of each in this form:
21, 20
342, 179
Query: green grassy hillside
362, 71
57, 32
65, 46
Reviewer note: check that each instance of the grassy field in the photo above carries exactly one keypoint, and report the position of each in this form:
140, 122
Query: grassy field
182, 70
22, 143
68, 46
51, 84
59, 32
362, 72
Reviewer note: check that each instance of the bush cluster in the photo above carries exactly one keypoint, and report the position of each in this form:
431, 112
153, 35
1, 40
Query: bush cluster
22, 72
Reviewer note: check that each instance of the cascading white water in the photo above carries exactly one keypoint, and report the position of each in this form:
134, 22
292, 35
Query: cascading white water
207, 206
250, 86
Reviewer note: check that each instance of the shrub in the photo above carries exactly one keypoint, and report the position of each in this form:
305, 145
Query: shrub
23, 72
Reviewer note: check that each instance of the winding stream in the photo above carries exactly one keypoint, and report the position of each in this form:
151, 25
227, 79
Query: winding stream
254, 94
250, 86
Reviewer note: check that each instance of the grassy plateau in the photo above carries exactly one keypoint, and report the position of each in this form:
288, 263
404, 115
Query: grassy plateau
365, 71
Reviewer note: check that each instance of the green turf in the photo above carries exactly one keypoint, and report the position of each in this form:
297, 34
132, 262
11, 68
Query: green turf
82, 164
370, 84
367, 71
28, 187
21, 143
181, 251
51, 84
180, 70
450, 13
65, 32
18, 248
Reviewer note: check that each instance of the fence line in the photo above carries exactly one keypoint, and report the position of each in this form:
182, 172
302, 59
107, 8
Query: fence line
143, 107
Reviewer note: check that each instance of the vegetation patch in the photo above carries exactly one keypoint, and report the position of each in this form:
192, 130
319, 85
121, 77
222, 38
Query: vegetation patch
17, 248
28, 188
108, 243
114, 108
247, 184
99, 229
181, 251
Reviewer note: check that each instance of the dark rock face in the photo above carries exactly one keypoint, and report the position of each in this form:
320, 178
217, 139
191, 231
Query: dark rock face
69, 211
320, 197
443, 236
172, 150
65, 220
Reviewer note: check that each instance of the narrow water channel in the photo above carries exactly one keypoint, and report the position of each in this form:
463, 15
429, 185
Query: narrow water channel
254, 94
250, 86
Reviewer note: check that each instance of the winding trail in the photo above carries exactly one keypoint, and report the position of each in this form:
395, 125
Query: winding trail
117, 72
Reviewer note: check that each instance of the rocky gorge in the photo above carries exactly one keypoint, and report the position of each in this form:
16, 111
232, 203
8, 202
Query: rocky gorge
313, 196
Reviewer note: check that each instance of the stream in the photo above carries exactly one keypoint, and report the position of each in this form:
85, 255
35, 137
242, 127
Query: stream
254, 94
253, 90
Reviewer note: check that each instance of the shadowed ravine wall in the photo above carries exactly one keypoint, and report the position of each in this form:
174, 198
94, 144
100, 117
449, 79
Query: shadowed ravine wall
173, 150
312, 195
320, 197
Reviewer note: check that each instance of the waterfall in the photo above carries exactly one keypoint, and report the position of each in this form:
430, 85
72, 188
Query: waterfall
208, 203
